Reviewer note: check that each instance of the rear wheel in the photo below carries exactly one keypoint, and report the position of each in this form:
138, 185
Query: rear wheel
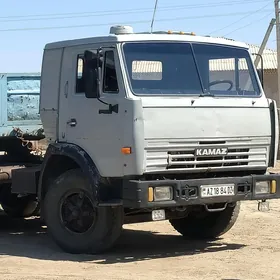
207, 225
16, 206
73, 221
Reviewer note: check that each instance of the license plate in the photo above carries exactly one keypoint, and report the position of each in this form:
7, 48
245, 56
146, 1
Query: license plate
217, 190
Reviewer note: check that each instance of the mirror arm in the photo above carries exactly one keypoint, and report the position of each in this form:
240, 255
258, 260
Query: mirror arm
262, 67
99, 67
112, 108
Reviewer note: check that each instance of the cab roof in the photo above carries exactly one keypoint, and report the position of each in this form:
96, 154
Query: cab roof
140, 37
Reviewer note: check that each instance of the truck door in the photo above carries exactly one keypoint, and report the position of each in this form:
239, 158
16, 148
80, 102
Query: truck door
84, 121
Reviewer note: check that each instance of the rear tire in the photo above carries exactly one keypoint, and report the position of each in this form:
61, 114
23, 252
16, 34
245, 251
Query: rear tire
37, 210
17, 207
73, 222
21, 209
207, 225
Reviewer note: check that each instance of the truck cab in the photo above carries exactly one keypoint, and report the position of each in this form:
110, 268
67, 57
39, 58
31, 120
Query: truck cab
151, 126
168, 97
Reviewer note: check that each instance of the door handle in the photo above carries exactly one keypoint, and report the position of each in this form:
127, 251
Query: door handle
72, 122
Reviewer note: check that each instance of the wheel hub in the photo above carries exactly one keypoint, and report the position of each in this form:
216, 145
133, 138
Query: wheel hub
77, 212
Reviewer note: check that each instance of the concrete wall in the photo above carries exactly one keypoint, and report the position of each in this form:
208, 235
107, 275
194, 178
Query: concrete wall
270, 85
271, 91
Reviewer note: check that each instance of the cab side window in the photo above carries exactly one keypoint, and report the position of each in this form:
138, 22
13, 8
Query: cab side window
110, 82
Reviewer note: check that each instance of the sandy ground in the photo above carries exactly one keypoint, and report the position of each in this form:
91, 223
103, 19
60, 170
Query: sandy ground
251, 250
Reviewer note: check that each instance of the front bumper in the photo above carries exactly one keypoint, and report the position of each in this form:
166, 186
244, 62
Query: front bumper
188, 192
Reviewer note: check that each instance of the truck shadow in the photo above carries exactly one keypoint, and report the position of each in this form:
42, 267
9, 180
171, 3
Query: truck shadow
28, 238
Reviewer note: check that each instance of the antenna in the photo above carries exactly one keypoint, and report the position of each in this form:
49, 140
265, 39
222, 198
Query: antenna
153, 19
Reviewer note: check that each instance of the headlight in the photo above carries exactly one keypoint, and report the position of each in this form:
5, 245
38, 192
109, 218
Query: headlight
262, 187
163, 193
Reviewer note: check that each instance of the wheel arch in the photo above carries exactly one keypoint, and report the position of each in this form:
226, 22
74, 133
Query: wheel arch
61, 157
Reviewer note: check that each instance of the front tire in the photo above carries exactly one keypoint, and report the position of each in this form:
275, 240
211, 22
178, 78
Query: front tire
207, 225
72, 220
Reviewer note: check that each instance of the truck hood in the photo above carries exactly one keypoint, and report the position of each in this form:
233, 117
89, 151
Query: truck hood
205, 118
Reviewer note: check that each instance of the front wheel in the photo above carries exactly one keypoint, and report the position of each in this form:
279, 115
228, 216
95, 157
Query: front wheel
207, 225
73, 221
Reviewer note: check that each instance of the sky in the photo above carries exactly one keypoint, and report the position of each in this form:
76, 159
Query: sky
26, 26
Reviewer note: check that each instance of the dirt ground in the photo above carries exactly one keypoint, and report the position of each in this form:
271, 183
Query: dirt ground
251, 250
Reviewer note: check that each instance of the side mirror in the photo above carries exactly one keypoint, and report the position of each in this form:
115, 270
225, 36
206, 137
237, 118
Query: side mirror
90, 74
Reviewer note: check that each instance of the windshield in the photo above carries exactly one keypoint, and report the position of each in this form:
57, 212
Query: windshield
190, 69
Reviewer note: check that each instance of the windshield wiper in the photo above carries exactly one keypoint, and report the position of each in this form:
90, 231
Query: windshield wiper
207, 94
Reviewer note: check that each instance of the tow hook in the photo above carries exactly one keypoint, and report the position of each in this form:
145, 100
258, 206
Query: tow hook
263, 206
215, 208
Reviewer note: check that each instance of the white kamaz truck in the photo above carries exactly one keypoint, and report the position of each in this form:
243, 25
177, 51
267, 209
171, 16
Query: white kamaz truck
146, 127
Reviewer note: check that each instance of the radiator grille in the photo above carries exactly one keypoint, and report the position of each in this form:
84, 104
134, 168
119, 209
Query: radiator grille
180, 155
187, 159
